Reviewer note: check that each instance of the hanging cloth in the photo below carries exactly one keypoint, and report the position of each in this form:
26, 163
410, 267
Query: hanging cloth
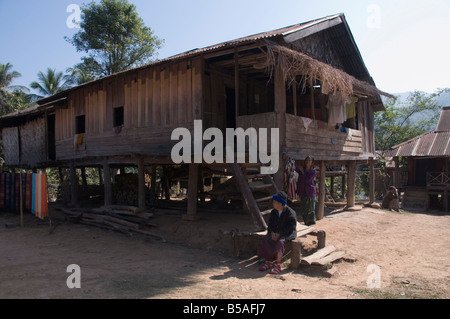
350, 110
306, 122
40, 195
337, 113
291, 179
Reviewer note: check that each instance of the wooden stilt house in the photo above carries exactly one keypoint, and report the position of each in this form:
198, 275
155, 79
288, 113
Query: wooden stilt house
308, 80
427, 182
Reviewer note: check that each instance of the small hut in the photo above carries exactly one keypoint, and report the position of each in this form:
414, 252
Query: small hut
308, 80
428, 177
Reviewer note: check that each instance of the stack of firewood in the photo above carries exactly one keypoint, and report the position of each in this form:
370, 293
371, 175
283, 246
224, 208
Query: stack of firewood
123, 219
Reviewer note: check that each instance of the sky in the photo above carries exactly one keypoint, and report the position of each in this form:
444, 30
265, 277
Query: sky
405, 44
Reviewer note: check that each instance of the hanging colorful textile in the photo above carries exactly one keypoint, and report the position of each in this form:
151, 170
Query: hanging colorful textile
40, 195
290, 178
34, 193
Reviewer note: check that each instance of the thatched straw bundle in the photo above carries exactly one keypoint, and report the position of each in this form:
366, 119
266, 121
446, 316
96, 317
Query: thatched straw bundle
293, 63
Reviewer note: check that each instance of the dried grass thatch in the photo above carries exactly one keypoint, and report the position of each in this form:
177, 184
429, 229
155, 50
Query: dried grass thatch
293, 63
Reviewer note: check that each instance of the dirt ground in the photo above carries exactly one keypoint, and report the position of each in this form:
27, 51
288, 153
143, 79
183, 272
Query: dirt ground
408, 250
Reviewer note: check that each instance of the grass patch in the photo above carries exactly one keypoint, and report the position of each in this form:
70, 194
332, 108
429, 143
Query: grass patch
400, 289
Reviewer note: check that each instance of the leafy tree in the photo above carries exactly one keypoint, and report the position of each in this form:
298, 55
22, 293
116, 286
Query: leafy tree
80, 74
51, 82
115, 38
403, 121
7, 76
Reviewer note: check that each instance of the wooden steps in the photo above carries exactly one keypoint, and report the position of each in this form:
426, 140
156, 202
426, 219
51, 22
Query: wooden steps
323, 256
249, 183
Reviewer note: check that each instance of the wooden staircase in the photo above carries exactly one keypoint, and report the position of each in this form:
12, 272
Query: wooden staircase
257, 191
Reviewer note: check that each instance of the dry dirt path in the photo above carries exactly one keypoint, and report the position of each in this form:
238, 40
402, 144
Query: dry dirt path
409, 252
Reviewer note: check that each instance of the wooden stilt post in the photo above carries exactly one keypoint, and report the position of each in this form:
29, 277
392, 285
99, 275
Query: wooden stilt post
343, 184
296, 254
351, 186
83, 178
100, 177
321, 202
280, 118
141, 183
321, 239
236, 81
371, 181
153, 185
332, 187
192, 194
107, 183
313, 103
73, 184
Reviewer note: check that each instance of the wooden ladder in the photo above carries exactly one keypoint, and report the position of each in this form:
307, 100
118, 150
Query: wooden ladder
258, 184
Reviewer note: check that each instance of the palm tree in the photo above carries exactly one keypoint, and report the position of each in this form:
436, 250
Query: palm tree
79, 74
51, 83
7, 75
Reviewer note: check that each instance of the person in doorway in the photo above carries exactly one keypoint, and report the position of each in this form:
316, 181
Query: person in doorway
282, 227
391, 200
307, 191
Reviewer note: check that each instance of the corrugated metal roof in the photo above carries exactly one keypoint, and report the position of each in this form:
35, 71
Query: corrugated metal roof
356, 67
434, 143
335, 24
429, 144
444, 121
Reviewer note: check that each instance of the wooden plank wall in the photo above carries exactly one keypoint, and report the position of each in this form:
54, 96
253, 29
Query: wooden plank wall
156, 100
366, 126
320, 141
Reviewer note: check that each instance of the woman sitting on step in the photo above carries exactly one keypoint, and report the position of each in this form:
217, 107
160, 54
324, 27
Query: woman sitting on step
282, 227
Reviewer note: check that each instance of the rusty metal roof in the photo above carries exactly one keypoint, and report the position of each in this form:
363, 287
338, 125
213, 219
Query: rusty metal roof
444, 121
435, 144
342, 38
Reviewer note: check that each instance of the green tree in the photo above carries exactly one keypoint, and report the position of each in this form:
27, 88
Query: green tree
405, 120
51, 83
7, 76
12, 97
80, 74
115, 38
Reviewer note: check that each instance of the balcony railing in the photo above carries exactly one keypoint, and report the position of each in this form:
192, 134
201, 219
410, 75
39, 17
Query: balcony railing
438, 179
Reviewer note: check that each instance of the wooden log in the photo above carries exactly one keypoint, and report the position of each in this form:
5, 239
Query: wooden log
318, 255
132, 209
121, 222
329, 259
321, 239
296, 254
